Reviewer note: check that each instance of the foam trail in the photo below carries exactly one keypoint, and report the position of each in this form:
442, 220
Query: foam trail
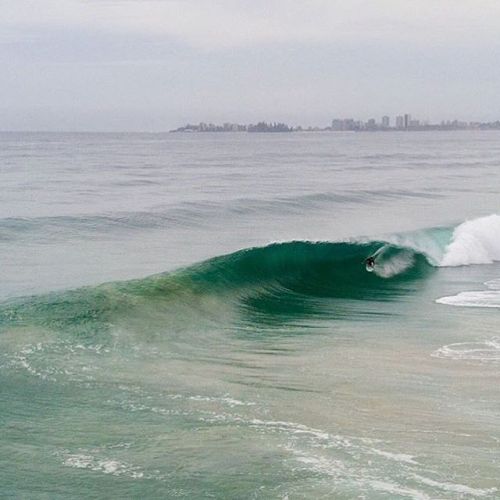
475, 298
484, 350
472, 299
493, 284
474, 242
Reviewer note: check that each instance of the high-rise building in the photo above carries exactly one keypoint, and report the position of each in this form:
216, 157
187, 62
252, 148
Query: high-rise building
407, 120
337, 124
350, 124
371, 124
386, 122
344, 124
400, 122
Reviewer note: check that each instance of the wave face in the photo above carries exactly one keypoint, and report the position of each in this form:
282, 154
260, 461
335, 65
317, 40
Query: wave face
311, 268
282, 279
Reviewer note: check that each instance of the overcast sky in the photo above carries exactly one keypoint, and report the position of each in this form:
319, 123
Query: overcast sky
156, 64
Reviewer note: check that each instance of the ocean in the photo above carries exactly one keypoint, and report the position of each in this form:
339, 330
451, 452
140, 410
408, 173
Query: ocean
193, 316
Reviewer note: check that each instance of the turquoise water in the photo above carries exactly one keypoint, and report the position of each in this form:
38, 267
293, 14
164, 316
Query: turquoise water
192, 316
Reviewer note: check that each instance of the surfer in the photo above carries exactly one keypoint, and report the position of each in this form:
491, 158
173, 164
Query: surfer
370, 263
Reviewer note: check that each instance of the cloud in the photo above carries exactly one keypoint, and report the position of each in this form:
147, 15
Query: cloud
98, 62
229, 24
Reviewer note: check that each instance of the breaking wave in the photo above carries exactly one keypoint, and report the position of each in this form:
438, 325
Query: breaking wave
277, 279
474, 242
289, 278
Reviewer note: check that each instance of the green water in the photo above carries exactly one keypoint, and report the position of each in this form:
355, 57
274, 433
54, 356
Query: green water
240, 368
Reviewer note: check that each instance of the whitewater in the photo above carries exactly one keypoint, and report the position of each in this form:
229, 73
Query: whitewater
194, 316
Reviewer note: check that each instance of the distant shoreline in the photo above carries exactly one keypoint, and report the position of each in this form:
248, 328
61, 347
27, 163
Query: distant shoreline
295, 131
404, 124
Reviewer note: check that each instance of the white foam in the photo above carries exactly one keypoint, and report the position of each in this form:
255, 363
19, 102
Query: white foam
323, 465
474, 242
394, 489
493, 284
361, 476
40, 361
106, 465
224, 400
428, 243
485, 350
461, 489
472, 299
475, 298
397, 457
388, 474
395, 264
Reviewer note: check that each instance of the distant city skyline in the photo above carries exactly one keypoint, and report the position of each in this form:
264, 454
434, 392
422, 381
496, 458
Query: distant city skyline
152, 64
403, 122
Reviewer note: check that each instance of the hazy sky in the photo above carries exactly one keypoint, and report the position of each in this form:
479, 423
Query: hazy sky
156, 64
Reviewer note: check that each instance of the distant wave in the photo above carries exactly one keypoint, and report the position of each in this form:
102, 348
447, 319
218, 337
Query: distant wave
191, 214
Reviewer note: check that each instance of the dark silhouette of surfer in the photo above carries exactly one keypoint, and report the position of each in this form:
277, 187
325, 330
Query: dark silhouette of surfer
370, 262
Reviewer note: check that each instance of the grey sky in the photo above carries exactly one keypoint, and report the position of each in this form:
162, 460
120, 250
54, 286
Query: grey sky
155, 64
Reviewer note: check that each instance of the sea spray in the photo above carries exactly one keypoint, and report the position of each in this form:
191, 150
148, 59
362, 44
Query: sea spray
474, 242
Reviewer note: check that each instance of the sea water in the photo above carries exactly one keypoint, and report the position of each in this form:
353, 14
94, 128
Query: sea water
190, 315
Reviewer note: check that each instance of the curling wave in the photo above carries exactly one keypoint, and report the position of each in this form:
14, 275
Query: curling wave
281, 278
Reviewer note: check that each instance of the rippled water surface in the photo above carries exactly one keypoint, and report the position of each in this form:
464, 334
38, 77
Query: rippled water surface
194, 315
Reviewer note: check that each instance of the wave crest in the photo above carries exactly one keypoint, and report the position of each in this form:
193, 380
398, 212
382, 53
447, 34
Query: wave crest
474, 242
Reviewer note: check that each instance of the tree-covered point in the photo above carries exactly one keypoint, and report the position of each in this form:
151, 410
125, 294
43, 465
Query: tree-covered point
235, 127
